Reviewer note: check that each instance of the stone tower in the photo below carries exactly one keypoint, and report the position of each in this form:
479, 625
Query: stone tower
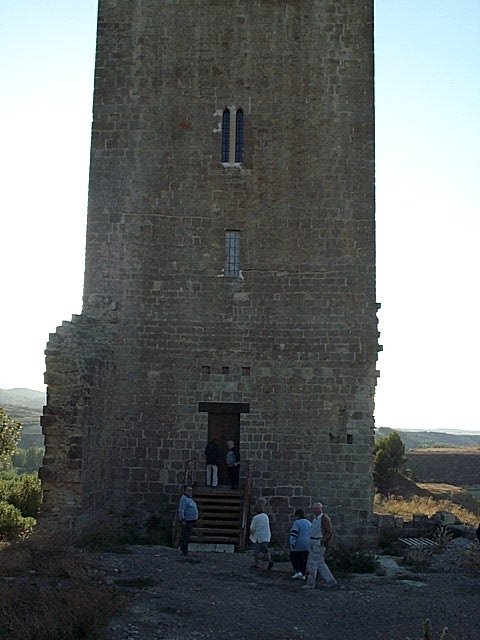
230, 262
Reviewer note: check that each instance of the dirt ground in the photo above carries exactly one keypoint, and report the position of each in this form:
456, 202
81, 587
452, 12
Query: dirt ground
218, 595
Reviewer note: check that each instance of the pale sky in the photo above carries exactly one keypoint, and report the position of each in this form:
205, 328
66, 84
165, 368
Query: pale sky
428, 175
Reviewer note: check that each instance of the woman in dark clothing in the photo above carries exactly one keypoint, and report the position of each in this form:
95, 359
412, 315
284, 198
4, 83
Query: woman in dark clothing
233, 464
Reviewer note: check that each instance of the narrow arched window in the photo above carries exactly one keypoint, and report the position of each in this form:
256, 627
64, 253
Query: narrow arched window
226, 136
239, 136
233, 147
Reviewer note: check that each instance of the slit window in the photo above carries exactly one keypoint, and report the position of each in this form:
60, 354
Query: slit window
233, 146
239, 136
232, 254
226, 136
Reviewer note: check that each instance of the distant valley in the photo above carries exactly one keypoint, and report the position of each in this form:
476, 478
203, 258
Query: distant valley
428, 439
25, 406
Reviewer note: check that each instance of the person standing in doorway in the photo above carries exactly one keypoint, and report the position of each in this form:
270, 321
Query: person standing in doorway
187, 515
321, 535
233, 464
212, 453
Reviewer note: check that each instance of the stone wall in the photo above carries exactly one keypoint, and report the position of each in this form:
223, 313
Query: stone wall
294, 336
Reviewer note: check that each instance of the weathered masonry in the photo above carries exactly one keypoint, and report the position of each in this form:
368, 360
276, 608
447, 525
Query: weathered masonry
230, 263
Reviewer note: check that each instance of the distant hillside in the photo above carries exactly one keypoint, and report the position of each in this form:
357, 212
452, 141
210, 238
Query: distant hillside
459, 466
22, 398
428, 439
25, 406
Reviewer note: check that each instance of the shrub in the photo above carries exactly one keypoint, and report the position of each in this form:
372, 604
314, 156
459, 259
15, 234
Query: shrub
159, 531
26, 495
9, 436
12, 523
427, 631
418, 557
352, 561
23, 492
108, 539
55, 603
442, 536
388, 538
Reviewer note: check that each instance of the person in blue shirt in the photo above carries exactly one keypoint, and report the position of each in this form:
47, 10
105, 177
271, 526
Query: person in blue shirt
299, 544
187, 515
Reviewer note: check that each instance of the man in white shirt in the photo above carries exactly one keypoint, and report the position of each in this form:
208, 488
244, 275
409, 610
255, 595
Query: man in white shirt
260, 535
321, 534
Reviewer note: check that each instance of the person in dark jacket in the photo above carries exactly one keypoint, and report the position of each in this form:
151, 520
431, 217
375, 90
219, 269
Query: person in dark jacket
233, 464
478, 532
212, 454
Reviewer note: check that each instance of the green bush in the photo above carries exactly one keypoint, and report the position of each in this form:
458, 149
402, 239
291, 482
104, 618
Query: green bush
12, 523
23, 492
388, 539
9, 436
7, 480
389, 457
351, 561
27, 495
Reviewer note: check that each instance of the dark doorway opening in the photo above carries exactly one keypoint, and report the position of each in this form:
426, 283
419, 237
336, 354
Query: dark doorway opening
224, 425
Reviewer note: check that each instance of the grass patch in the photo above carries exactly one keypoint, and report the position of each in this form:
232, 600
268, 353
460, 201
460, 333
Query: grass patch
47, 590
452, 493
406, 508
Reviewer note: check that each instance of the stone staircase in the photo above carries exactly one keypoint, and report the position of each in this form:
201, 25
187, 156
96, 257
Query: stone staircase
223, 517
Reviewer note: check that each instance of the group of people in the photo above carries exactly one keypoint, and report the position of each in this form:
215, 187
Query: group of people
308, 543
308, 540
187, 507
232, 460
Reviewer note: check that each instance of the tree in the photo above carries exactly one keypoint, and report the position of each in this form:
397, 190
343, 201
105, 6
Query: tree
9, 436
28, 460
389, 456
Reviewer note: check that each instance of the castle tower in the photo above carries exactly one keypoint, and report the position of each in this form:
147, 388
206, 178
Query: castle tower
230, 262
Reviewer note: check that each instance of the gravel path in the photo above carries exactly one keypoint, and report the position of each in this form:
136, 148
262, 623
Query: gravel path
212, 595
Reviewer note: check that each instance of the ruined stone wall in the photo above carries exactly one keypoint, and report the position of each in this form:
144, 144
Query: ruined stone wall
294, 336
78, 424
